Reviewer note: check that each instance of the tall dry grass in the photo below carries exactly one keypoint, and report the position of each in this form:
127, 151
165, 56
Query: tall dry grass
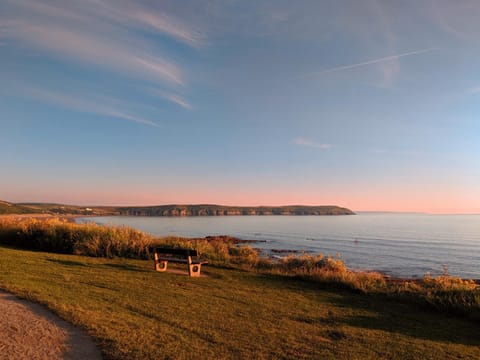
324, 269
61, 236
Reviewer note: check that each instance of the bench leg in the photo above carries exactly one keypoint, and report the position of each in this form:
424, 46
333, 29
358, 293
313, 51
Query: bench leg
161, 265
194, 270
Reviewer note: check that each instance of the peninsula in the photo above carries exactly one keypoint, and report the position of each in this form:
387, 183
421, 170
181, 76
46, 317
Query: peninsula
219, 210
170, 210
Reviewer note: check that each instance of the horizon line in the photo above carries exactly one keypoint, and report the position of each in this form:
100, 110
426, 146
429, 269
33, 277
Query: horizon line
246, 206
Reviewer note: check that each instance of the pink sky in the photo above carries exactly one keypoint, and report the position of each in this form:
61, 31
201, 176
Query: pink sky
428, 200
371, 107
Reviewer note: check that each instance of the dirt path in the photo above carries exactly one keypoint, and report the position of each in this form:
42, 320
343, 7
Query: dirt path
29, 331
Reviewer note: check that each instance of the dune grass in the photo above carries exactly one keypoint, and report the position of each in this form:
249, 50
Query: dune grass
137, 313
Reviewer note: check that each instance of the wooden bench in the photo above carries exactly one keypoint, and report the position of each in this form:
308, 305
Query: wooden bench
161, 257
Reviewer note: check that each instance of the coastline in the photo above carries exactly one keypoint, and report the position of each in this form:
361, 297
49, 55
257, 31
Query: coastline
268, 253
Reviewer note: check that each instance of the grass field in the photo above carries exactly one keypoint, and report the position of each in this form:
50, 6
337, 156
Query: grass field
134, 312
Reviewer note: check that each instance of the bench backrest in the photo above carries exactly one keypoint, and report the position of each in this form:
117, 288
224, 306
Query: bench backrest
179, 252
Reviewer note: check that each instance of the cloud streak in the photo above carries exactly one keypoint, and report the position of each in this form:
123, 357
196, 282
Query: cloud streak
474, 90
114, 13
108, 53
109, 34
179, 101
169, 26
367, 63
176, 99
97, 106
300, 141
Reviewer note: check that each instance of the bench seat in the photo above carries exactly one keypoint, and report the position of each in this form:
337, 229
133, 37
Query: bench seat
179, 255
182, 261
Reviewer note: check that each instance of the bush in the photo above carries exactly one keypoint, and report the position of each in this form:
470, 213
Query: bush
244, 255
446, 282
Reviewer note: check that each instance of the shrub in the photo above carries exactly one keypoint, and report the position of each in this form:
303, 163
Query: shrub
322, 269
446, 282
244, 255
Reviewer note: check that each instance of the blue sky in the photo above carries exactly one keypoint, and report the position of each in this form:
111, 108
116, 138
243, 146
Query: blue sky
373, 105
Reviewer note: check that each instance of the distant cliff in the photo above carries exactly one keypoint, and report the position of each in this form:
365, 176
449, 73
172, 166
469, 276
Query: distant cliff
169, 210
218, 210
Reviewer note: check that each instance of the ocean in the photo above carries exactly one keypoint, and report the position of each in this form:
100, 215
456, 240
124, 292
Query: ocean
397, 244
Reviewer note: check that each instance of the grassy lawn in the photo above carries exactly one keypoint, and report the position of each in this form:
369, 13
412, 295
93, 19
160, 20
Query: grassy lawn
135, 312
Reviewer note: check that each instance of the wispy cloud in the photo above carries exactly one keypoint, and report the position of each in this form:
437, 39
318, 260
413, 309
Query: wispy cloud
121, 14
457, 18
176, 99
98, 106
309, 143
474, 90
104, 33
111, 54
179, 101
169, 26
366, 63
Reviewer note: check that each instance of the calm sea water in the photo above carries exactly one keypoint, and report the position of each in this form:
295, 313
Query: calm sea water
407, 245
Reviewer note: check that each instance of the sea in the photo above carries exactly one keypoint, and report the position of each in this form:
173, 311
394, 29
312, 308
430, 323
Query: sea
396, 244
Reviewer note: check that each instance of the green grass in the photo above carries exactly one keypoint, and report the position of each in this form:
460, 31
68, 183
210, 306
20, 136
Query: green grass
135, 312
444, 293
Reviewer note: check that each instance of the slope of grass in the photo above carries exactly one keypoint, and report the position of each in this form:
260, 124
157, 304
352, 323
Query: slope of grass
444, 293
9, 208
136, 313
65, 209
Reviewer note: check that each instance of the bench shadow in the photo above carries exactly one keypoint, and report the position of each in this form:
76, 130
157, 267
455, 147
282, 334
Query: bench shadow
381, 313
126, 267
66, 262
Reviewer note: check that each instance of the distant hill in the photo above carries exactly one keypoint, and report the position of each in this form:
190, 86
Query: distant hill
170, 210
219, 210
62, 209
9, 208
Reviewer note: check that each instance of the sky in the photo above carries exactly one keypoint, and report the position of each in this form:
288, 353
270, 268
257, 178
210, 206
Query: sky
373, 105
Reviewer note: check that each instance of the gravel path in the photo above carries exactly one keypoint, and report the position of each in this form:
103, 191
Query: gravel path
29, 331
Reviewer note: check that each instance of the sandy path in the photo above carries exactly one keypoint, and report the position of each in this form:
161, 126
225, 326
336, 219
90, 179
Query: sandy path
29, 331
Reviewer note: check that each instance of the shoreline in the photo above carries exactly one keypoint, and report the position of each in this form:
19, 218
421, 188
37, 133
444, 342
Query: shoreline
268, 253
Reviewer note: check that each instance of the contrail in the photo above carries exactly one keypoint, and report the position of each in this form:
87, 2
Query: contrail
370, 62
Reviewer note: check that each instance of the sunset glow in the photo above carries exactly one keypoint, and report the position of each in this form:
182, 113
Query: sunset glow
369, 105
